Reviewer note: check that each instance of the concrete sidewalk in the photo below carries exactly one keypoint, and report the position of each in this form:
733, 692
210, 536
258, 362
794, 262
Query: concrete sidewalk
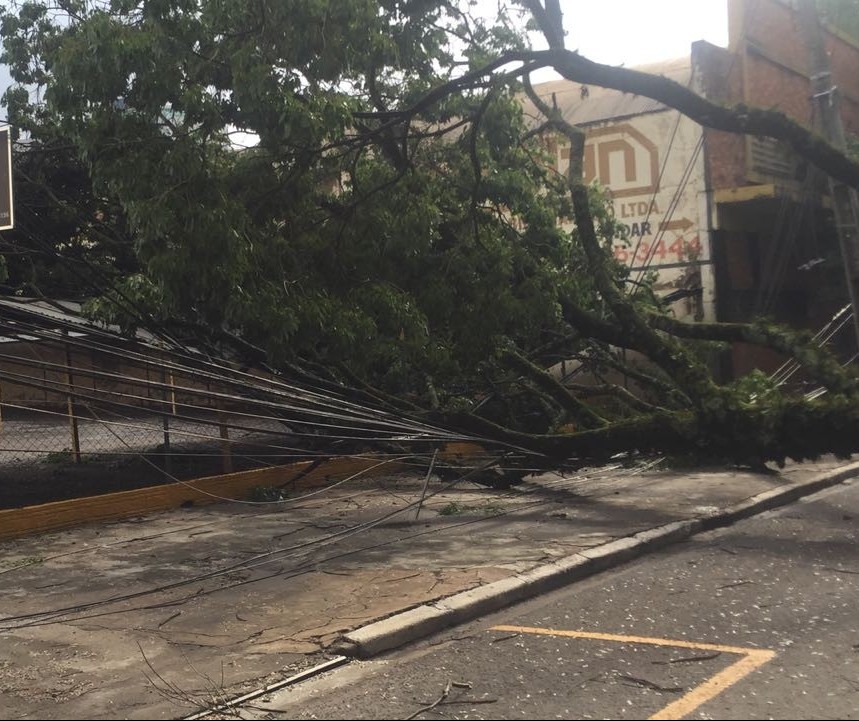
160, 616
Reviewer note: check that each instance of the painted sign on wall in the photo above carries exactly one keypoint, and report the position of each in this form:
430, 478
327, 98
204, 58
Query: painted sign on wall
653, 167
7, 219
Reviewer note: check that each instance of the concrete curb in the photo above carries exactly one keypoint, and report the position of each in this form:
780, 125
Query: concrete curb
407, 626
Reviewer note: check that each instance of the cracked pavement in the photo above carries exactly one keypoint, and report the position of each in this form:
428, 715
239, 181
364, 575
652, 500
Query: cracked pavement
158, 616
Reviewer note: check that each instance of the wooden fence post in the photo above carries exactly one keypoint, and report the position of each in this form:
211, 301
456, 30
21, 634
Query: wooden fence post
165, 422
226, 451
172, 392
73, 419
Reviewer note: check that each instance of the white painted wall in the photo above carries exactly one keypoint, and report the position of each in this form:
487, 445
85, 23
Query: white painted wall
653, 165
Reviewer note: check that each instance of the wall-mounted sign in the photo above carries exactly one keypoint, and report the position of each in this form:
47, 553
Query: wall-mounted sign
7, 220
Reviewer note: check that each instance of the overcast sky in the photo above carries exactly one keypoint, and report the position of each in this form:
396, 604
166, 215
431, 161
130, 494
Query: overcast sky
637, 32
634, 32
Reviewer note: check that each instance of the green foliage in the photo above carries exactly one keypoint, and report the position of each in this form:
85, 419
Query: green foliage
114, 308
266, 494
367, 220
68, 242
307, 244
756, 388
455, 508
16, 563
59, 457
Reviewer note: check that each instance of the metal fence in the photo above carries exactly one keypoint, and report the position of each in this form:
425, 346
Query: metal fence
86, 410
45, 436
73, 397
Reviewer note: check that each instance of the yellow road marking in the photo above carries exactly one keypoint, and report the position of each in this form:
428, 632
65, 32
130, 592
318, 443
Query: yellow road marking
752, 658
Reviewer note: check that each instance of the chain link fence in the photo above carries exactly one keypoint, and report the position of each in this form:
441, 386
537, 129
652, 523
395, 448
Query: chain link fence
124, 419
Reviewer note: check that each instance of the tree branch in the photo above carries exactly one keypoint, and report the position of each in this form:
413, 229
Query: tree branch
549, 19
577, 410
817, 361
740, 119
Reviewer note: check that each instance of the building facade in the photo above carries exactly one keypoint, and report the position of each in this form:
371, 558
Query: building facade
734, 227
650, 158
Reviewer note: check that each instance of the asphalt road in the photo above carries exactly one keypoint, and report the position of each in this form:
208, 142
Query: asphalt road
757, 621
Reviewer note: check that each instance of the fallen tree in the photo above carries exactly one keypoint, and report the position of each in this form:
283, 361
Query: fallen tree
748, 420
393, 236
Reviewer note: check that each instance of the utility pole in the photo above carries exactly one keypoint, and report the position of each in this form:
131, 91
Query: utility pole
825, 96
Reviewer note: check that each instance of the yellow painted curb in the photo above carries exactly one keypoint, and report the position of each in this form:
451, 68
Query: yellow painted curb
17, 522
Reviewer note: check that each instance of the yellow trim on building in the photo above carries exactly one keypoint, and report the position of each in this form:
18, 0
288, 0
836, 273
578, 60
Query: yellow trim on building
745, 193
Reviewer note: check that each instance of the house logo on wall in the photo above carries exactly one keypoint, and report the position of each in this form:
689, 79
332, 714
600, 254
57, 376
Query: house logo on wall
622, 158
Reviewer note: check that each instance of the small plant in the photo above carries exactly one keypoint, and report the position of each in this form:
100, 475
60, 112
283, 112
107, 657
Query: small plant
491, 509
21, 562
455, 508
266, 494
63, 456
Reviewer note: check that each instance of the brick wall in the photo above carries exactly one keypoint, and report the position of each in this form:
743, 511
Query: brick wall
767, 65
719, 78
844, 59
